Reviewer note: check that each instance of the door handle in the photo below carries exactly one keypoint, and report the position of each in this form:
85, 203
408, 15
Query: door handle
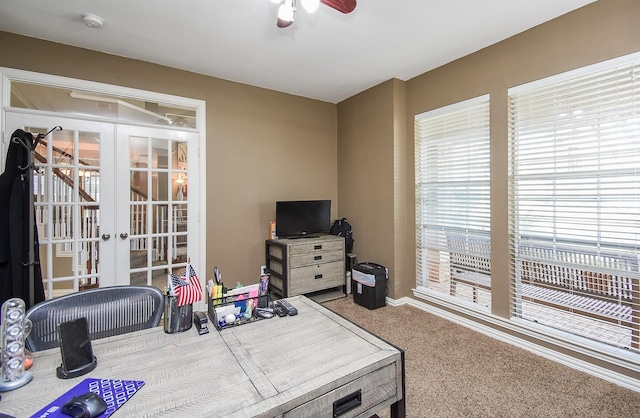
105, 237
123, 235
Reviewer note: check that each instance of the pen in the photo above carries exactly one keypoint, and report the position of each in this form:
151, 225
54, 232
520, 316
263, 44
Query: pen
217, 275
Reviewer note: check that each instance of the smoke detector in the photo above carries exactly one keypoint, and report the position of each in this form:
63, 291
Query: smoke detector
92, 21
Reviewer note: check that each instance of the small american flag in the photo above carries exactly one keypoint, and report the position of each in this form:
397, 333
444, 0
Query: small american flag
187, 288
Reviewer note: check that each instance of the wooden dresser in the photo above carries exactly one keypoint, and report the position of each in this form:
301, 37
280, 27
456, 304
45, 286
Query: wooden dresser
305, 265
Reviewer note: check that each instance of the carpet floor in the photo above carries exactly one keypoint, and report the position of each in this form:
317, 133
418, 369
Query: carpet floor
453, 371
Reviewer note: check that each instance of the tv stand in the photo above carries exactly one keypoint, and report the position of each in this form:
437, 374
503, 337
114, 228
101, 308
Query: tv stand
302, 266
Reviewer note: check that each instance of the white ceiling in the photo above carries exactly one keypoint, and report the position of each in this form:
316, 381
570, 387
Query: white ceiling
327, 55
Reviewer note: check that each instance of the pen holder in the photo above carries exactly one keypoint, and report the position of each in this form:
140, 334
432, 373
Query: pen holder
176, 318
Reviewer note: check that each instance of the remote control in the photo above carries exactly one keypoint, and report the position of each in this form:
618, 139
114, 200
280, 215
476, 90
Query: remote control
288, 307
279, 310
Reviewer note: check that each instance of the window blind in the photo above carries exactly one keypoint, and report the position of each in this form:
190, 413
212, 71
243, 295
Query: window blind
575, 202
452, 190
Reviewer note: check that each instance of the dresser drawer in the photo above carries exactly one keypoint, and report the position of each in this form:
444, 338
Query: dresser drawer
316, 277
305, 265
316, 247
374, 390
315, 258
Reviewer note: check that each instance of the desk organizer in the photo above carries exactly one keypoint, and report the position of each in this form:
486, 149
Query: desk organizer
219, 308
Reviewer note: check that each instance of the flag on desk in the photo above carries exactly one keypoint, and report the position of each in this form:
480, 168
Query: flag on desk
187, 288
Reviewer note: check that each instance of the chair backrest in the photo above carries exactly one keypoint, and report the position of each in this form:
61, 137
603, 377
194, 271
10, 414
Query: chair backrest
109, 311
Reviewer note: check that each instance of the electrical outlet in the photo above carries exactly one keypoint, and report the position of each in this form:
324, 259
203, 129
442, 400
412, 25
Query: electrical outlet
263, 270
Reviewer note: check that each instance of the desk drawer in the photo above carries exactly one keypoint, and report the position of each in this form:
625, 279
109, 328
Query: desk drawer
354, 398
316, 277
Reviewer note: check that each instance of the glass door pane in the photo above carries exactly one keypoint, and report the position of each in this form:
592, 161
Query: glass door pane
156, 191
111, 209
68, 191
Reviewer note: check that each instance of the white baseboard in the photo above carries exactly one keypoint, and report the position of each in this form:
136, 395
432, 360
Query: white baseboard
567, 360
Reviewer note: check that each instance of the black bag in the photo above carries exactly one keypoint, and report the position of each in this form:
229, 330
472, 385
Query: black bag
342, 228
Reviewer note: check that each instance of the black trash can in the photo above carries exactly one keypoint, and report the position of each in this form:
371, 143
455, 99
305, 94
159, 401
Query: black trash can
369, 285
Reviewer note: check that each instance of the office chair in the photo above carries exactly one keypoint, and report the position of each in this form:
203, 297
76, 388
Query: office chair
109, 311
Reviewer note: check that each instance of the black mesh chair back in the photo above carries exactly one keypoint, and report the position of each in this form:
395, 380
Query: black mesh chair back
109, 311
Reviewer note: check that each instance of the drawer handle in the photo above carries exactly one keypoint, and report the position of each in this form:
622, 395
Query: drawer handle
347, 403
318, 257
317, 247
318, 276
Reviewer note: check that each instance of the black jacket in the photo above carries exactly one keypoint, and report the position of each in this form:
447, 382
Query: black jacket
15, 224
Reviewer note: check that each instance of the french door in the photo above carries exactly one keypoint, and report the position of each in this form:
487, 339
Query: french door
155, 215
111, 201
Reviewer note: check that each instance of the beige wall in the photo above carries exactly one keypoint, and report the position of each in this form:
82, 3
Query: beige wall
373, 151
371, 173
262, 145
371, 141
365, 129
597, 32
362, 149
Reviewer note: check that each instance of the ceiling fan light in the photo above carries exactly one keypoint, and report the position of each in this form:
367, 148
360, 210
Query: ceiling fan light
310, 5
286, 11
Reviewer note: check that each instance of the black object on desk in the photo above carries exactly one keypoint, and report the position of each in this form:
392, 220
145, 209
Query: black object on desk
177, 318
200, 321
75, 348
87, 405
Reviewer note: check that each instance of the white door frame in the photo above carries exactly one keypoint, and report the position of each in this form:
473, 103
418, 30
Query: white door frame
198, 256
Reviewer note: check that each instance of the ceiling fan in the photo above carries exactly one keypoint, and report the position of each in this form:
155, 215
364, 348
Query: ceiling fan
288, 8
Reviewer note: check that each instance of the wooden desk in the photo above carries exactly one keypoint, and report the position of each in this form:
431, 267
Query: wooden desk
295, 366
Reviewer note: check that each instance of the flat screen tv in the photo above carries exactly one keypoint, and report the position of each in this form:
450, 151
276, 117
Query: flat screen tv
302, 218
